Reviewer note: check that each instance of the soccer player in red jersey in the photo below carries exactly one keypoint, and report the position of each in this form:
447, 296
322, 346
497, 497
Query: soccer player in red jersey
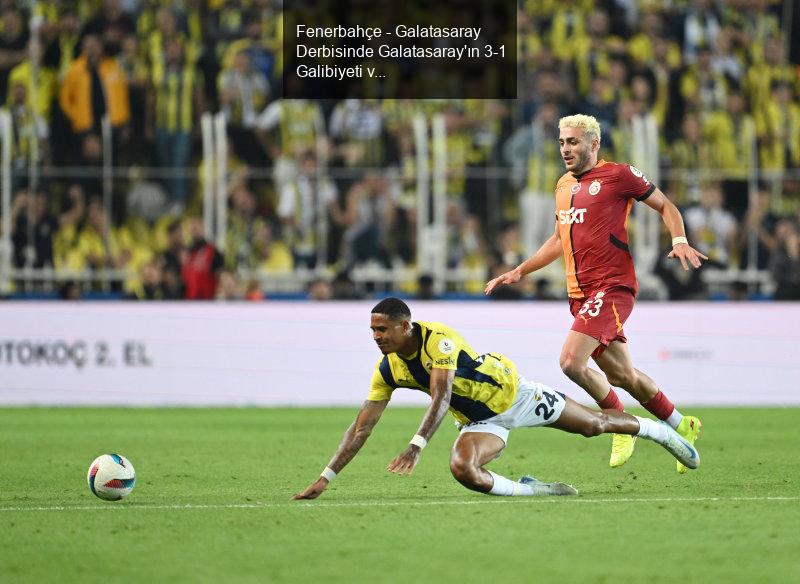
593, 201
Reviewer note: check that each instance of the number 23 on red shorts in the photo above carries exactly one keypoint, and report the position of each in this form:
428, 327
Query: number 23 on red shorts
602, 314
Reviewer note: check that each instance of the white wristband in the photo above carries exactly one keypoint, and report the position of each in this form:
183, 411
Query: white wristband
418, 440
680, 239
328, 474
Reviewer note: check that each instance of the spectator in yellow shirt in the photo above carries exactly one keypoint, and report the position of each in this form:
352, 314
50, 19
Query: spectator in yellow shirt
731, 134
44, 81
778, 127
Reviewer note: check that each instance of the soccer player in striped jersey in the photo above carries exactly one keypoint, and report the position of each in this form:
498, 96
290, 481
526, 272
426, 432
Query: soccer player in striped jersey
593, 201
485, 394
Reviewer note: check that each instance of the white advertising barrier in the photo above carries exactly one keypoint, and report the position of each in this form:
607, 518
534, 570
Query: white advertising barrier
317, 354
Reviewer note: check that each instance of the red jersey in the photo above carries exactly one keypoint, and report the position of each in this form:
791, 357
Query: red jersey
592, 216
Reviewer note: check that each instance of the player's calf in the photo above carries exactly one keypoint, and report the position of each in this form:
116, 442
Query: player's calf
578, 419
624, 377
594, 424
478, 479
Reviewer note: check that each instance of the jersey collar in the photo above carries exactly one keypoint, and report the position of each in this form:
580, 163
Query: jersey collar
600, 163
417, 335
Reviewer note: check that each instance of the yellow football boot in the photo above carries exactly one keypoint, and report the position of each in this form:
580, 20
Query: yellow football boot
621, 449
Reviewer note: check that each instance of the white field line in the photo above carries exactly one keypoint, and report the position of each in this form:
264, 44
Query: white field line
346, 504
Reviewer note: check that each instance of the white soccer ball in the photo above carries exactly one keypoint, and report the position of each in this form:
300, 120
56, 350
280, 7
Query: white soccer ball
111, 477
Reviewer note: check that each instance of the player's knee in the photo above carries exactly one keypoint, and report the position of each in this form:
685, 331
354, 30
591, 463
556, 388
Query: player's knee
572, 367
464, 471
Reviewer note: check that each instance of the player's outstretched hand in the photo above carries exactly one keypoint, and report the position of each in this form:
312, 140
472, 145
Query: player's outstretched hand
313, 490
405, 462
687, 254
510, 277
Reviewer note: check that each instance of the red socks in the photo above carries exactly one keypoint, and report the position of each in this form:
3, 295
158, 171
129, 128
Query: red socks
659, 406
611, 402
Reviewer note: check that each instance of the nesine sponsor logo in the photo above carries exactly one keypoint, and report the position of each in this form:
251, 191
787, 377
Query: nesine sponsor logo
570, 216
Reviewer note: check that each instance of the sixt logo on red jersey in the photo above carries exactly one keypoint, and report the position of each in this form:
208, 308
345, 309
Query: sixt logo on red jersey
570, 216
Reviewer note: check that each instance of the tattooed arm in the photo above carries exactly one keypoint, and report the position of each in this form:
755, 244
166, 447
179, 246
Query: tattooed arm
354, 438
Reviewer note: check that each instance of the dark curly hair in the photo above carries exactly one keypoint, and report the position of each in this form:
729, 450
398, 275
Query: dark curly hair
394, 308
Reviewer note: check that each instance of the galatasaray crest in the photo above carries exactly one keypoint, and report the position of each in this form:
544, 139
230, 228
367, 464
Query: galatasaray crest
594, 188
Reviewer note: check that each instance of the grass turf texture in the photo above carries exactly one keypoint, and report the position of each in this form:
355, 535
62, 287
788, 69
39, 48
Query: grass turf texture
237, 468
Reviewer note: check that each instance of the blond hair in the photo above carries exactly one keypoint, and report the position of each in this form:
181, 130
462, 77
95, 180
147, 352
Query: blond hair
588, 124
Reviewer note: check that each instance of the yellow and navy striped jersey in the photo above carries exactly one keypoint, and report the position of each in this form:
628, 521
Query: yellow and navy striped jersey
484, 385
175, 93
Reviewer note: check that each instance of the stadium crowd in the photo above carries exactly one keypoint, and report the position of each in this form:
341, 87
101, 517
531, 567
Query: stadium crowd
714, 77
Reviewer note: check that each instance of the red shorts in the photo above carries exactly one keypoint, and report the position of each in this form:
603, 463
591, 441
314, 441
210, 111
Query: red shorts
602, 314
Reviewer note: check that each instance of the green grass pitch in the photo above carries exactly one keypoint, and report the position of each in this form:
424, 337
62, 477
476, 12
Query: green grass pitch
211, 503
